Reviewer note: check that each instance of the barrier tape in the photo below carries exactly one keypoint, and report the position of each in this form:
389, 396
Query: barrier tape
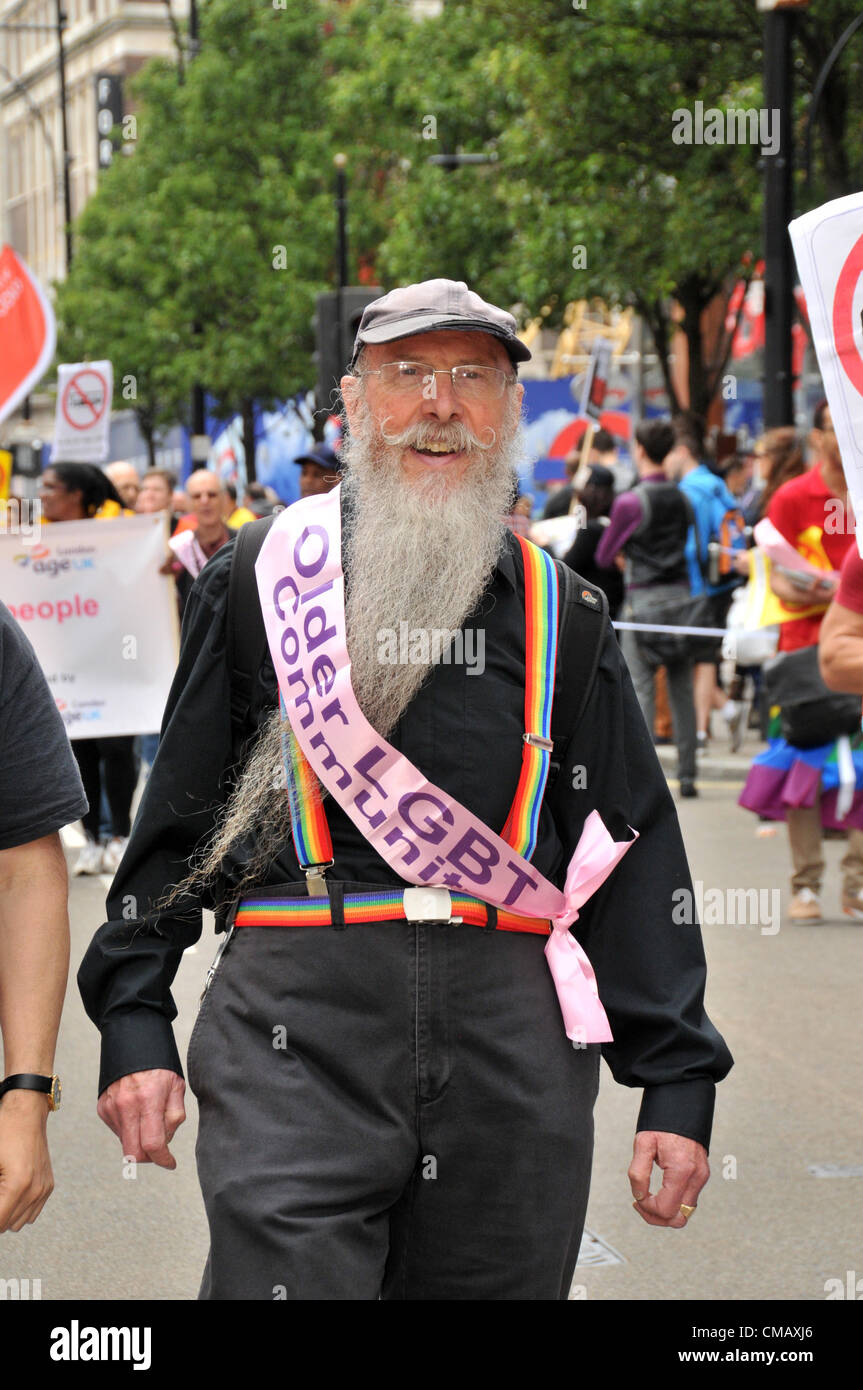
682, 631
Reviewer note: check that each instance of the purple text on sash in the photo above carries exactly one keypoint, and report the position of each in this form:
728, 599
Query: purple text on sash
418, 819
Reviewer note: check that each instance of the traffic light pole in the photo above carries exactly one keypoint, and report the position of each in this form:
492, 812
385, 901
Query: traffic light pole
818, 91
67, 190
199, 443
779, 270
340, 160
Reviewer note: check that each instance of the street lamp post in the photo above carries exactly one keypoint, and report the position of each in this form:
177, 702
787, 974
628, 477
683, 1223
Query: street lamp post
340, 161
67, 189
199, 443
778, 212
58, 28
451, 162
820, 83
34, 111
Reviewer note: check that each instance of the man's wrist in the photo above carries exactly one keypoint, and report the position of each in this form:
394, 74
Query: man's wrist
140, 1040
680, 1107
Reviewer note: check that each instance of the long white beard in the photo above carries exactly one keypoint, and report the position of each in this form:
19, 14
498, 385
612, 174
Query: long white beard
419, 552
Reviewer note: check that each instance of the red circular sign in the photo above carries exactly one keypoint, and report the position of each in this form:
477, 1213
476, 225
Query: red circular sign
85, 399
843, 316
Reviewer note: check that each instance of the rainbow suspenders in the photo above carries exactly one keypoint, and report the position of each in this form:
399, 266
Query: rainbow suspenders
311, 833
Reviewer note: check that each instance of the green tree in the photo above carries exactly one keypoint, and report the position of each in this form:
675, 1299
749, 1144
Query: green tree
200, 256
224, 219
120, 303
578, 109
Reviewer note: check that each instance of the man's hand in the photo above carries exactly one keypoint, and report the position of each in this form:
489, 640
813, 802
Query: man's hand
685, 1170
26, 1180
145, 1109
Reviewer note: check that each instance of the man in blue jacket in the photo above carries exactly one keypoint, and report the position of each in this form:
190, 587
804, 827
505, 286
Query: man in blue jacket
711, 503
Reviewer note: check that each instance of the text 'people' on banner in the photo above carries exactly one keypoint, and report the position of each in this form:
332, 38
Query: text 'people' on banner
101, 618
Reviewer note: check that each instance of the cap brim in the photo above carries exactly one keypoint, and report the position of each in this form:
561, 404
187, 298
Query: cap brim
426, 321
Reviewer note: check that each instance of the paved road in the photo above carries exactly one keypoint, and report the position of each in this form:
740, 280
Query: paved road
788, 1001
789, 1006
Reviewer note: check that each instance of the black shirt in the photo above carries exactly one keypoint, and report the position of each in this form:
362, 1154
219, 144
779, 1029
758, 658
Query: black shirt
464, 732
40, 785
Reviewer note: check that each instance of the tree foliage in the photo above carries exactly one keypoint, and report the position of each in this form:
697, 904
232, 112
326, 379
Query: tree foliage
574, 108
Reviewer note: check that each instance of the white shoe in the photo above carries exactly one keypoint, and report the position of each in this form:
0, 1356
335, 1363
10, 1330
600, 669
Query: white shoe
805, 907
113, 853
89, 860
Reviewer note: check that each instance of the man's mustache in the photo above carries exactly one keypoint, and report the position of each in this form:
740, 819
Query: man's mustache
456, 437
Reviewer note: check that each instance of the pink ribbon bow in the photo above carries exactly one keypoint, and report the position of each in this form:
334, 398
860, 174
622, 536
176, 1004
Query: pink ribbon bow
596, 854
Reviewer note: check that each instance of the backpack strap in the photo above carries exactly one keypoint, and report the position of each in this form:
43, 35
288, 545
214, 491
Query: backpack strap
245, 639
580, 637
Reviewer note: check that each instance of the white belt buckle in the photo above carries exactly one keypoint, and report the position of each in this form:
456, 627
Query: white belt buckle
428, 905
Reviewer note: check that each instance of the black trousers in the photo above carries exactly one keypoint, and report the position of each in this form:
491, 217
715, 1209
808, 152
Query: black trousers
390, 1111
115, 759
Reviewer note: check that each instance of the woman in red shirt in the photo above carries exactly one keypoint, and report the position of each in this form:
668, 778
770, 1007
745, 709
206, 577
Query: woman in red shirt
801, 786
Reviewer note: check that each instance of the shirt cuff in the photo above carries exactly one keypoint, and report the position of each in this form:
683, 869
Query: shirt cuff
139, 1040
680, 1107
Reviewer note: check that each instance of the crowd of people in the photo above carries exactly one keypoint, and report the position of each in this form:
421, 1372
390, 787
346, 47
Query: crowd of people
669, 547
671, 552
203, 515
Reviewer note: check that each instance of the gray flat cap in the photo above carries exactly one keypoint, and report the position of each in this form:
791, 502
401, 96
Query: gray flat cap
432, 305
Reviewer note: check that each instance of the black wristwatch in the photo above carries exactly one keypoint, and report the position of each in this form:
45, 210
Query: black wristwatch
29, 1081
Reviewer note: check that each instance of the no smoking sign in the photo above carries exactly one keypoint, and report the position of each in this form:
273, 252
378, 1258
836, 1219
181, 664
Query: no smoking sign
83, 417
85, 399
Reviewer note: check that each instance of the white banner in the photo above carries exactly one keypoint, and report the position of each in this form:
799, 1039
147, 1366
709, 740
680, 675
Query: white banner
828, 245
83, 414
102, 620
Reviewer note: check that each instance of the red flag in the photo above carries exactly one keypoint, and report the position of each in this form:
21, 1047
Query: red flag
27, 331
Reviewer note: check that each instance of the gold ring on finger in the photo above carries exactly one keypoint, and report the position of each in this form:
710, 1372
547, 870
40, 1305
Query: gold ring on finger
687, 1211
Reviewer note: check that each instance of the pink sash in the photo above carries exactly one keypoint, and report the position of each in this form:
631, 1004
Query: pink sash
425, 835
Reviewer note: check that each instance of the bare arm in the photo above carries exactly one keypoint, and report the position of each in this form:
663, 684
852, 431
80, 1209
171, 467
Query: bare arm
34, 964
840, 649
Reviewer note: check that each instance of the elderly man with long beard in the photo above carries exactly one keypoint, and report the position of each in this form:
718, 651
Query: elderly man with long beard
397, 1060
